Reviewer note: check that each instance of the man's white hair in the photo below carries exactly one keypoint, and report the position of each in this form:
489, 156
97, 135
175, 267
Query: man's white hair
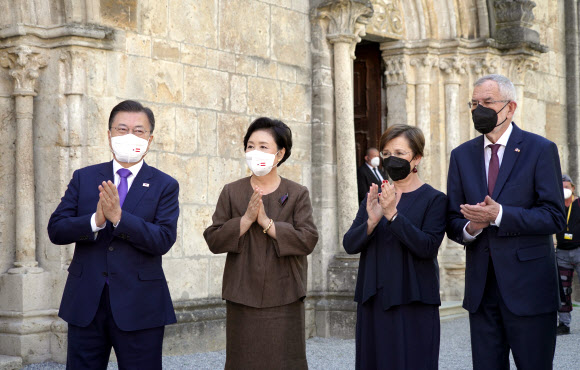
507, 89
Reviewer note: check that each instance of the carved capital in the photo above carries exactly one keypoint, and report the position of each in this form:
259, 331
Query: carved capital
453, 67
517, 67
396, 70
346, 18
514, 21
485, 66
423, 65
387, 20
23, 63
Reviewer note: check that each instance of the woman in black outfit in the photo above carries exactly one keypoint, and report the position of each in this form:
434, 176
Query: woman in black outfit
398, 232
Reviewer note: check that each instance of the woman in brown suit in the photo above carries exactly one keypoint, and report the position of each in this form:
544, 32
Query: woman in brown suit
264, 224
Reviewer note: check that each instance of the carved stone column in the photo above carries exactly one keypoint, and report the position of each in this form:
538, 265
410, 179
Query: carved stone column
347, 19
335, 309
452, 256
24, 64
423, 66
398, 100
73, 70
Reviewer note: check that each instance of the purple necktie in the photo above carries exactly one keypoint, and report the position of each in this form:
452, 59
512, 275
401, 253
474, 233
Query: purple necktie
123, 186
493, 168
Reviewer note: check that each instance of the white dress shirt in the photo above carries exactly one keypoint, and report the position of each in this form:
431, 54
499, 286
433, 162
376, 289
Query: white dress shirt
375, 173
503, 140
116, 166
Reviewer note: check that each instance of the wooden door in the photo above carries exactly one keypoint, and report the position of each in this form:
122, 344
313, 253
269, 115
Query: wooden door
367, 98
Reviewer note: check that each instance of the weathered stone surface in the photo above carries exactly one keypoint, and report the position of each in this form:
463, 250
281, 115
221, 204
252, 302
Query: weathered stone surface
164, 134
154, 17
238, 94
267, 68
289, 43
206, 88
167, 50
119, 13
286, 73
137, 44
263, 97
207, 128
295, 102
193, 21
186, 129
231, 131
245, 37
190, 172
222, 171
194, 55
216, 271
227, 61
182, 288
195, 220
245, 65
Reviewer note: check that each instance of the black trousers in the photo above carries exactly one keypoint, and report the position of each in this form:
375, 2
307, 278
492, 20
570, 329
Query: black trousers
495, 330
90, 347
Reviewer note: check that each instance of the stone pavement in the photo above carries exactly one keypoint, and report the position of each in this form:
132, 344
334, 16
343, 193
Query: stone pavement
339, 354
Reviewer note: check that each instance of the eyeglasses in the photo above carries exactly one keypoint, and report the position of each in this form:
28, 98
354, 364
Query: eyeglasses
398, 153
122, 130
474, 103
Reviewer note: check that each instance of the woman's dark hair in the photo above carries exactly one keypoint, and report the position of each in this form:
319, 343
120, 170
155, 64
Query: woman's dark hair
132, 106
279, 130
414, 136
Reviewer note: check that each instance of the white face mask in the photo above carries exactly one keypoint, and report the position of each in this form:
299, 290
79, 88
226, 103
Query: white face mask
375, 162
567, 193
259, 162
129, 148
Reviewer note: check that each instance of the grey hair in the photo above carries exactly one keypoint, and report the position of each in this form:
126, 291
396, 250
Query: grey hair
506, 87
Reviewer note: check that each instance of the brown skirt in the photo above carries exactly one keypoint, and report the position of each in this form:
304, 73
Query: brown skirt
265, 338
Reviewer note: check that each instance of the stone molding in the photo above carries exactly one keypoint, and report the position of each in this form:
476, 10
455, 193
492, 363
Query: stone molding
23, 63
387, 20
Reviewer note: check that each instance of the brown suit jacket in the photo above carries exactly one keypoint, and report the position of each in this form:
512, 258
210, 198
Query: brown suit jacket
261, 271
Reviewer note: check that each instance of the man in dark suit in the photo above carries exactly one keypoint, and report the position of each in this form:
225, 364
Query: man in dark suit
505, 202
369, 173
122, 215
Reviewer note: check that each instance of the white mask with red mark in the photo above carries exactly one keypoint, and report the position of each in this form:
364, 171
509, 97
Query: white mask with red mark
129, 148
259, 162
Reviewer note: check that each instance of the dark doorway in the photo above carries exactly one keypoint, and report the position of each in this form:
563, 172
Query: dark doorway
367, 98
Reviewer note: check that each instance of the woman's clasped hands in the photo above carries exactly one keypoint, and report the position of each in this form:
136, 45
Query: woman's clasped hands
255, 212
380, 204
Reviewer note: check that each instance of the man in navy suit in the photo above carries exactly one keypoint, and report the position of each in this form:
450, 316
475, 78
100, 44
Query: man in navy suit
505, 202
122, 217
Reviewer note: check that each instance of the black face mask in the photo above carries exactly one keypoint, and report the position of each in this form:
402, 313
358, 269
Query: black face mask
485, 119
397, 168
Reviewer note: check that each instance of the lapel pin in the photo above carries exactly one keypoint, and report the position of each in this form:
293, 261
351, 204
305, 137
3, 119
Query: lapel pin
146, 184
283, 199
518, 150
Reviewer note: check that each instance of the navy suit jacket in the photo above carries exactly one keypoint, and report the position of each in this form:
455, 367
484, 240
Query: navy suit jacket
529, 188
129, 255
